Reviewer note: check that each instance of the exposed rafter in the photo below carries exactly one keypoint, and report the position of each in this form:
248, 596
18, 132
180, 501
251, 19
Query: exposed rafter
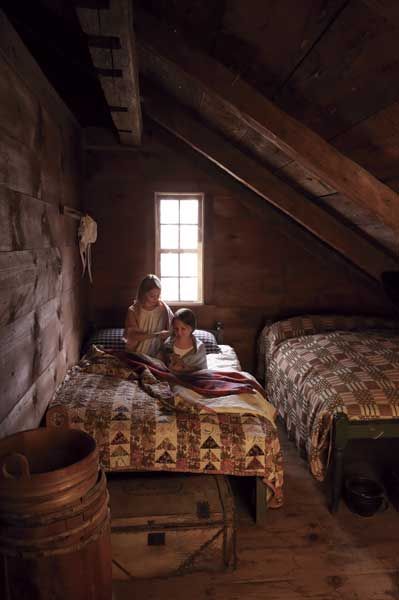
110, 38
192, 69
177, 120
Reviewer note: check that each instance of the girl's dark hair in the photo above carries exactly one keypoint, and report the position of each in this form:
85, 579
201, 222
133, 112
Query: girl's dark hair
149, 282
187, 316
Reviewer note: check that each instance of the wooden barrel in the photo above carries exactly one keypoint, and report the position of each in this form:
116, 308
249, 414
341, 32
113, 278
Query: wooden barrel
54, 518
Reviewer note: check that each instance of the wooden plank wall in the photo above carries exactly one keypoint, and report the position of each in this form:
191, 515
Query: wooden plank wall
258, 264
41, 296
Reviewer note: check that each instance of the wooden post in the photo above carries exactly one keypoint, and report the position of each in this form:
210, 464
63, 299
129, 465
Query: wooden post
339, 442
260, 502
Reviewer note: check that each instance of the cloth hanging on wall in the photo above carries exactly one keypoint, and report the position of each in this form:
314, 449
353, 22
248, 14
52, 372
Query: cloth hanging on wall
87, 234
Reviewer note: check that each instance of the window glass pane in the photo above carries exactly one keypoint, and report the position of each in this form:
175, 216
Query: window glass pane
188, 236
189, 289
179, 246
169, 211
170, 288
170, 264
189, 211
188, 264
169, 236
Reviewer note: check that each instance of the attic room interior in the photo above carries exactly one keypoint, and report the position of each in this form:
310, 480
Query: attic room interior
199, 291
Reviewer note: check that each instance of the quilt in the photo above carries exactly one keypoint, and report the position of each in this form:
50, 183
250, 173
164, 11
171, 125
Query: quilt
317, 366
137, 427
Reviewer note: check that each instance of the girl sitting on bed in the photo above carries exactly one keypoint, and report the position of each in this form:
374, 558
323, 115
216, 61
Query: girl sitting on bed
148, 319
182, 352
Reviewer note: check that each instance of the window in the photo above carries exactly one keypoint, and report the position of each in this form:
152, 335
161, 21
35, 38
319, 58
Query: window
179, 219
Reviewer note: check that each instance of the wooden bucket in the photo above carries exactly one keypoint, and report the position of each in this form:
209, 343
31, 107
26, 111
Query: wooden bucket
54, 518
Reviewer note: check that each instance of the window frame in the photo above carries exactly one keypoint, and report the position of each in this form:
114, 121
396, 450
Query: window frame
200, 247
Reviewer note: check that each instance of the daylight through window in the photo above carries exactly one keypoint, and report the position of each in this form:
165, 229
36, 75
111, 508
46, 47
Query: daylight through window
179, 219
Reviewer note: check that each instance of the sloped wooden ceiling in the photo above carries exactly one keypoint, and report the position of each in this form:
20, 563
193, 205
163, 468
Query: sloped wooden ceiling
330, 64
321, 62
260, 180
242, 114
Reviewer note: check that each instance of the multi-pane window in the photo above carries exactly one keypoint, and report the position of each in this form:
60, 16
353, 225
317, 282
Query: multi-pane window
179, 219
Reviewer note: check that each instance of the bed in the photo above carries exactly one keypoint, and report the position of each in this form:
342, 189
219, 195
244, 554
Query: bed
332, 379
135, 431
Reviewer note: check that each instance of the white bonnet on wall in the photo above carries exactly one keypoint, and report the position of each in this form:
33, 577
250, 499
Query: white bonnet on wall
87, 234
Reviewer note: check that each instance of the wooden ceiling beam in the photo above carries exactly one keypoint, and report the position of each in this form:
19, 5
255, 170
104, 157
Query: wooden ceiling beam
284, 132
110, 39
178, 121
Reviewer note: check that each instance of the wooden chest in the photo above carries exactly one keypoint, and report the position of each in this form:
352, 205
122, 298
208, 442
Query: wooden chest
163, 524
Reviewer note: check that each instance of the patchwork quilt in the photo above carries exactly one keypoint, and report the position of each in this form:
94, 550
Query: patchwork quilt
317, 366
136, 429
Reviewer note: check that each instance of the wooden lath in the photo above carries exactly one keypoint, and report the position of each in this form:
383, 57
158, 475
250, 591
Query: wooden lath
110, 38
177, 120
294, 139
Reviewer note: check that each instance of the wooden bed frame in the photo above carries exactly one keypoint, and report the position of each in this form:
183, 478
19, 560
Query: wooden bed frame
218, 332
343, 432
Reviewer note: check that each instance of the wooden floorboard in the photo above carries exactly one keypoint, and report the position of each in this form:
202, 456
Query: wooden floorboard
303, 553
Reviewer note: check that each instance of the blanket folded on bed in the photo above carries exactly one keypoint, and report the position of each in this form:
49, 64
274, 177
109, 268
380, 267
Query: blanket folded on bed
210, 384
155, 378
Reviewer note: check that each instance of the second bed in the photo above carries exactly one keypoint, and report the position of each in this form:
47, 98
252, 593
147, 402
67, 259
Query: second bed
332, 378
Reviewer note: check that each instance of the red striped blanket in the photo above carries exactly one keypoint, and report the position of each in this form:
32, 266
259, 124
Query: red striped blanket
211, 384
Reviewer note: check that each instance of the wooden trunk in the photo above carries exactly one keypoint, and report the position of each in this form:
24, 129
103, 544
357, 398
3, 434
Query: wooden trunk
163, 524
